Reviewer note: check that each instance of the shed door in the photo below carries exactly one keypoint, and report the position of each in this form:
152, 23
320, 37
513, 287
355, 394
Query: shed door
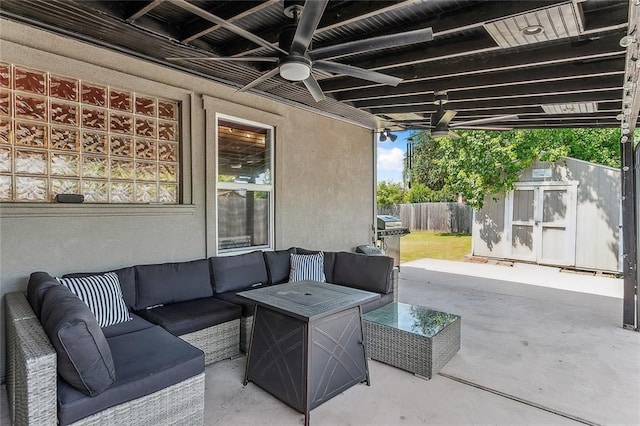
542, 222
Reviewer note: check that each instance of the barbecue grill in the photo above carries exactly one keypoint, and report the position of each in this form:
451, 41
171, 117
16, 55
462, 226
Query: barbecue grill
390, 230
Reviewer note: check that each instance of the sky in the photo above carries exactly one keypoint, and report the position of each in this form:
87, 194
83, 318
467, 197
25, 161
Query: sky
391, 158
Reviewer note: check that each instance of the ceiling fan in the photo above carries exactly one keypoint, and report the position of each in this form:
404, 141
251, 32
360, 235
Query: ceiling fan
441, 125
295, 58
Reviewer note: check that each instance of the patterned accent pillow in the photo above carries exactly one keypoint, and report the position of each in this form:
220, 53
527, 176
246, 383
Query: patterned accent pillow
102, 294
307, 267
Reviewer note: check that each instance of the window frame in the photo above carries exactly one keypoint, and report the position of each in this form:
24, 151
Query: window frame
269, 188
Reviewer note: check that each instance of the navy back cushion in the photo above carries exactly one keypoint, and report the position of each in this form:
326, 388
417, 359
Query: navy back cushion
278, 265
237, 273
371, 273
172, 282
84, 358
39, 283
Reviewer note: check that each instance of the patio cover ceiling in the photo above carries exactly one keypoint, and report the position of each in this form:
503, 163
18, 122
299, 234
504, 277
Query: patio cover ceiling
571, 72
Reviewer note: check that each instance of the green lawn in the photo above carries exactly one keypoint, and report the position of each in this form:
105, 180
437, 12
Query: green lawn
436, 245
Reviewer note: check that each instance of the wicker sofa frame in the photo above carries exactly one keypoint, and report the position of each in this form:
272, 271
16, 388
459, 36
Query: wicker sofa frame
218, 342
32, 382
32, 372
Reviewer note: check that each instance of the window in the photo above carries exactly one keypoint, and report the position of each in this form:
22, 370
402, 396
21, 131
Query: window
244, 185
60, 134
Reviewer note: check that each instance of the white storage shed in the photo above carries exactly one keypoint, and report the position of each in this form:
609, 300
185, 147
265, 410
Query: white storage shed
565, 213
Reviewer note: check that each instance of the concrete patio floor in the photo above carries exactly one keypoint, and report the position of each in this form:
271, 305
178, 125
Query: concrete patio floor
530, 354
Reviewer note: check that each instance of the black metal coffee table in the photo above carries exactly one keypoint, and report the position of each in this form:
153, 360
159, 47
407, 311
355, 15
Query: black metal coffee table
307, 342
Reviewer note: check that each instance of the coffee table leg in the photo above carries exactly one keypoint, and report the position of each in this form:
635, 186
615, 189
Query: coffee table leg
253, 327
364, 347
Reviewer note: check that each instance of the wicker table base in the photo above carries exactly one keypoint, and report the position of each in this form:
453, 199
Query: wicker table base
413, 338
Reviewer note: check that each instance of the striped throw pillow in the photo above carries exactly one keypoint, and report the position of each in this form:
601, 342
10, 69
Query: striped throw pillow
307, 267
102, 294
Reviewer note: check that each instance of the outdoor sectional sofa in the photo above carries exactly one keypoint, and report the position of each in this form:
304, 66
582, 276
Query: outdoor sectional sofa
184, 316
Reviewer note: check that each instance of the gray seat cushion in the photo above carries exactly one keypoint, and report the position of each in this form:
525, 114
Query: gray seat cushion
136, 323
371, 273
193, 315
172, 282
237, 273
231, 297
278, 265
146, 361
84, 357
375, 304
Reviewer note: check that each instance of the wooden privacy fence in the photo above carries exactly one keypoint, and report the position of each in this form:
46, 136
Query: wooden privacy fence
440, 217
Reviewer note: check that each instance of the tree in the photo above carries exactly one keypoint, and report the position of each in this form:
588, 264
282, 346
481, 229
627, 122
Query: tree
389, 193
484, 163
418, 193
425, 171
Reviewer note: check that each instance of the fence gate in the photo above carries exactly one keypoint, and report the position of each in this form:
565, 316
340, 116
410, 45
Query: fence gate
541, 222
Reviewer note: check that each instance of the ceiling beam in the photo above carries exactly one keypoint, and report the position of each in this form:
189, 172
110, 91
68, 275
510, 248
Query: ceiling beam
490, 79
142, 9
607, 95
473, 63
201, 27
471, 112
524, 90
336, 16
443, 23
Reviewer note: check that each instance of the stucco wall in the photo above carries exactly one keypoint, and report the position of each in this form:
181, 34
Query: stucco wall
324, 176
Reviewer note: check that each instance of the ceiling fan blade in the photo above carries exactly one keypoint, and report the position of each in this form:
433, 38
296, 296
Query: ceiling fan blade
374, 43
311, 14
314, 88
232, 59
446, 118
486, 120
454, 135
498, 129
338, 68
263, 77
226, 25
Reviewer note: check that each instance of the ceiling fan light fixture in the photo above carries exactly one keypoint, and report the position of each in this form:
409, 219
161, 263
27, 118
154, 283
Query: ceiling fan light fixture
295, 71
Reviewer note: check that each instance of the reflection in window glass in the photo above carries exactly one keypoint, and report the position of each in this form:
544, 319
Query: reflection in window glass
243, 218
243, 153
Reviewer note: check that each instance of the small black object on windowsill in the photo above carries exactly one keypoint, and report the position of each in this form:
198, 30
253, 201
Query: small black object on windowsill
70, 198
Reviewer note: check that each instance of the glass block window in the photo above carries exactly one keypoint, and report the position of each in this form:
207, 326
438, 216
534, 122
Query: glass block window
61, 135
